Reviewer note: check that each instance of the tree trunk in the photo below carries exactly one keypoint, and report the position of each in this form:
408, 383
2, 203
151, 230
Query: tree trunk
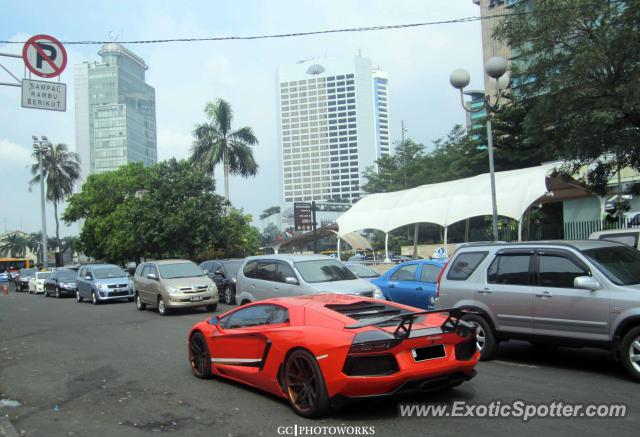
55, 213
226, 180
416, 227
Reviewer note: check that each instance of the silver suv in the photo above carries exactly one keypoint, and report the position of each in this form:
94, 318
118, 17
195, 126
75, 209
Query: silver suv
575, 293
264, 277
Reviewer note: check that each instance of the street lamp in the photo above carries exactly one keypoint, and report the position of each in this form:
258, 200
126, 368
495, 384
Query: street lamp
41, 147
496, 67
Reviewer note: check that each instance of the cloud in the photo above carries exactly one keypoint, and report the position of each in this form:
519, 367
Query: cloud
14, 154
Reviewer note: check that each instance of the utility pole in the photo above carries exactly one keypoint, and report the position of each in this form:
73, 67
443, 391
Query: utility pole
40, 147
315, 226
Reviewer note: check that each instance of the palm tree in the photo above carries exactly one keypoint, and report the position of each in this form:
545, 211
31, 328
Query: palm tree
61, 169
215, 143
14, 245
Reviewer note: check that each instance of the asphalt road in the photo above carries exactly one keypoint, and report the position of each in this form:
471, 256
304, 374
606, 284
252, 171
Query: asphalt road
110, 370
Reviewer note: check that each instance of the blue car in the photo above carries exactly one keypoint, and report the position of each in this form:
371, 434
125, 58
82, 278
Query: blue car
412, 283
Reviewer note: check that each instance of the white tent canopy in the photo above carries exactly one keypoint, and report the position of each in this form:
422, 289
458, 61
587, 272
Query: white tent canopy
448, 202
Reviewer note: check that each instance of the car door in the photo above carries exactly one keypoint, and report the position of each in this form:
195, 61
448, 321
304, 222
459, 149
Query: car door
216, 273
507, 290
82, 282
284, 271
562, 310
403, 284
263, 284
426, 291
240, 346
140, 281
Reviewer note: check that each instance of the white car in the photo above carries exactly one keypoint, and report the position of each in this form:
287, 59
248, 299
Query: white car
36, 284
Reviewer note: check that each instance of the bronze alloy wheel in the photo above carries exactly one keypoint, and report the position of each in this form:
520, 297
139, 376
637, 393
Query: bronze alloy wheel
199, 356
304, 384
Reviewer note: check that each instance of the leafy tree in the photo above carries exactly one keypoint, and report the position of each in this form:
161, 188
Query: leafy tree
216, 143
576, 70
166, 210
398, 171
13, 245
61, 170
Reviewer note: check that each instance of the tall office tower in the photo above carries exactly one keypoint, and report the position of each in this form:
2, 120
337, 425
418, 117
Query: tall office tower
332, 125
492, 12
115, 112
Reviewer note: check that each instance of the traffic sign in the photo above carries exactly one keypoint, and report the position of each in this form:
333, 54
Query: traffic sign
302, 215
40, 94
44, 56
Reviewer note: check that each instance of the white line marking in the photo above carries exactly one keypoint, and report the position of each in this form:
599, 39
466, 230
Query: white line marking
529, 366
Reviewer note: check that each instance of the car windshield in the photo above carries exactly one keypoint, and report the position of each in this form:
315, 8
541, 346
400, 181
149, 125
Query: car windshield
27, 273
620, 264
43, 275
180, 270
109, 272
324, 271
66, 275
232, 267
362, 271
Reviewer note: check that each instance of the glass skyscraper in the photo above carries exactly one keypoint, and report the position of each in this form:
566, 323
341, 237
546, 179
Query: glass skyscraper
115, 112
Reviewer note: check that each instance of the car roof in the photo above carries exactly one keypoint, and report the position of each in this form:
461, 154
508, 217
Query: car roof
291, 257
575, 244
315, 300
616, 231
170, 261
99, 266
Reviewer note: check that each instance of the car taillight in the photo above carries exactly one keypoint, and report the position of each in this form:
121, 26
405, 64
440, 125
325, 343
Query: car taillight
372, 342
439, 278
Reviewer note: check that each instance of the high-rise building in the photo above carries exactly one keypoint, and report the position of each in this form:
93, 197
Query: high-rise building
333, 123
115, 112
492, 13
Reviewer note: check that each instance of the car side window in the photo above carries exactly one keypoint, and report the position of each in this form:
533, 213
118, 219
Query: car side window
256, 315
146, 270
429, 273
214, 267
464, 265
284, 271
266, 270
558, 271
511, 269
405, 273
250, 269
81, 273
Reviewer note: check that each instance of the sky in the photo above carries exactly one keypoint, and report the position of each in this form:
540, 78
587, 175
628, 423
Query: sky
187, 75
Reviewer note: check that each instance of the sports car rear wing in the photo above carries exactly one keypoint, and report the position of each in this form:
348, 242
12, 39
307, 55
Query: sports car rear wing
453, 322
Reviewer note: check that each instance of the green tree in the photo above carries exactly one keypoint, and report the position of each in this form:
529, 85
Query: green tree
61, 170
216, 143
577, 69
13, 245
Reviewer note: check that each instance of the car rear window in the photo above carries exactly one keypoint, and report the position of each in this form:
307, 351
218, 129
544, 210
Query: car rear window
464, 265
630, 239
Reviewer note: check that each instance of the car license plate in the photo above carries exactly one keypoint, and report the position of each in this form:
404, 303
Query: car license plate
428, 353
196, 298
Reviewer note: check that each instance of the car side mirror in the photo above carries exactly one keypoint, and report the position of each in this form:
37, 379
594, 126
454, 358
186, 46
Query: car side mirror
219, 272
291, 280
586, 283
206, 272
87, 278
152, 276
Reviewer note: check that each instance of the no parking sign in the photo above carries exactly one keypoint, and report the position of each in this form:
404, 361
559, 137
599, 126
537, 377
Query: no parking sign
44, 56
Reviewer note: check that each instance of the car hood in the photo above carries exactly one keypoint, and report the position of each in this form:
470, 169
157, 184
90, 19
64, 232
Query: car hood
353, 286
113, 281
188, 282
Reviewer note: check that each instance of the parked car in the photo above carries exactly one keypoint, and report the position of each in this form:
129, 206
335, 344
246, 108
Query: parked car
224, 272
36, 283
630, 237
412, 283
102, 283
23, 279
5, 277
362, 271
580, 293
174, 283
60, 283
321, 351
264, 277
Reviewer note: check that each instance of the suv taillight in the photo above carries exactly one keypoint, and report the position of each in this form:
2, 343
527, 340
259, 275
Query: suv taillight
444, 267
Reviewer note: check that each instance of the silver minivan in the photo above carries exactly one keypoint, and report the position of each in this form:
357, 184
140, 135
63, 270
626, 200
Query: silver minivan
573, 293
264, 277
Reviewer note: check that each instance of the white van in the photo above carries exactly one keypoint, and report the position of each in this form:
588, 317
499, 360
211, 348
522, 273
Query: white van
630, 236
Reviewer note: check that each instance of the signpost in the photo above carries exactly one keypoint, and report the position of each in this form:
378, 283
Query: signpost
38, 94
44, 56
302, 214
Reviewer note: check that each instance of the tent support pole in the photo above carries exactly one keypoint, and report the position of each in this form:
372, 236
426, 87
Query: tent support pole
415, 240
338, 247
446, 228
520, 228
386, 248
